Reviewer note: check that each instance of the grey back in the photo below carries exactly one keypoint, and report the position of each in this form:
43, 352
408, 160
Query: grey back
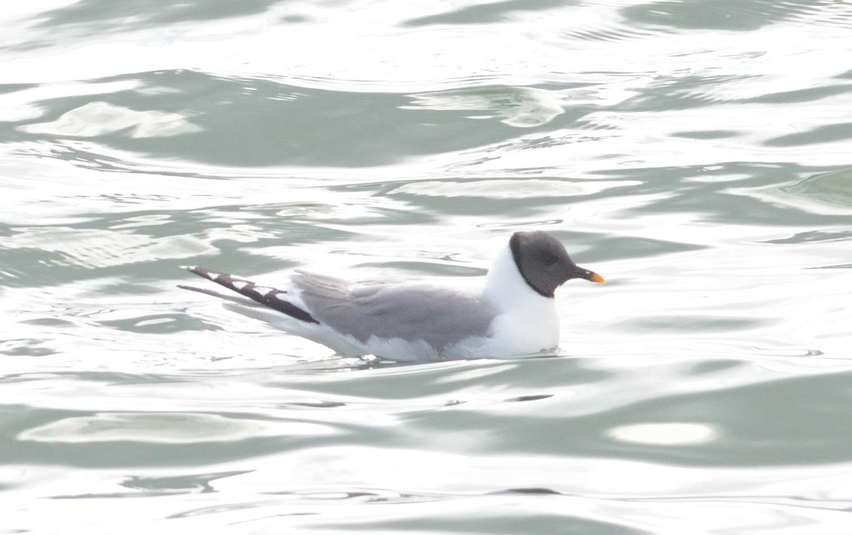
439, 316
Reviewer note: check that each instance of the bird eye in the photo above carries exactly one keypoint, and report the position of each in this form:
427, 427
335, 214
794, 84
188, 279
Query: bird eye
550, 259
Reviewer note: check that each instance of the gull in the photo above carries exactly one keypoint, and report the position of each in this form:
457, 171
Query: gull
512, 313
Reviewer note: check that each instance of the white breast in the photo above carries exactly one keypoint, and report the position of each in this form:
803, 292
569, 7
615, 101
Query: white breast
528, 322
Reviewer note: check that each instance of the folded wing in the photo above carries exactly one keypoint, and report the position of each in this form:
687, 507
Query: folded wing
437, 315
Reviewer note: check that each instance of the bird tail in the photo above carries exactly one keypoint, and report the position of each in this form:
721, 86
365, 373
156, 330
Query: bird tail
270, 297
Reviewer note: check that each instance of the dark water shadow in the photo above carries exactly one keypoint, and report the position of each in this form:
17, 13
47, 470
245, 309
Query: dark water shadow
814, 236
149, 486
12, 88
26, 347
258, 122
692, 324
706, 134
106, 378
820, 134
114, 16
57, 447
833, 188
792, 421
406, 381
720, 202
731, 15
35, 267
487, 13
680, 93
801, 95
489, 521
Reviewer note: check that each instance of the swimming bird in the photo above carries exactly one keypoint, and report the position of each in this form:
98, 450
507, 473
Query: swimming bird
512, 313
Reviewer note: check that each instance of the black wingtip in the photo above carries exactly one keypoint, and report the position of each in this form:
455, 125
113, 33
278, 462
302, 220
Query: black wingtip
205, 273
270, 297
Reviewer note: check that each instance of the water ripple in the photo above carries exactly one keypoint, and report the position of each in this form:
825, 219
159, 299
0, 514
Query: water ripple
694, 152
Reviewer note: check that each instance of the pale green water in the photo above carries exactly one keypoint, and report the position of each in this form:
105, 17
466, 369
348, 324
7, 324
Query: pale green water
695, 153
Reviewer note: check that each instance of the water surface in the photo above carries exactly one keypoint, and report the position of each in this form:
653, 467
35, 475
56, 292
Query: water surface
695, 153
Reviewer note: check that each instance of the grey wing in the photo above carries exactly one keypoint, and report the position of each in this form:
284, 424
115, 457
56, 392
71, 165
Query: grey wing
438, 316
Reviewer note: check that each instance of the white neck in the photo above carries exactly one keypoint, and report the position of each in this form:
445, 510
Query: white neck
506, 287
527, 321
